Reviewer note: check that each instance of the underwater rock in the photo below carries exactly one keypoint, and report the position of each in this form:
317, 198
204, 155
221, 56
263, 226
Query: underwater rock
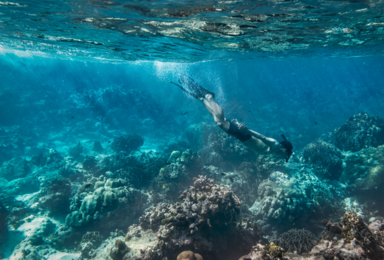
189, 255
17, 214
34, 245
39, 160
327, 156
97, 147
360, 131
15, 168
89, 163
54, 195
3, 223
255, 254
297, 240
68, 171
365, 169
49, 158
64, 237
77, 152
127, 143
118, 253
28, 184
376, 227
25, 252
333, 228
89, 242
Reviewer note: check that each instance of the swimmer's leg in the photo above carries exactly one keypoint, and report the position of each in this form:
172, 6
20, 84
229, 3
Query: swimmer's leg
267, 140
257, 145
216, 111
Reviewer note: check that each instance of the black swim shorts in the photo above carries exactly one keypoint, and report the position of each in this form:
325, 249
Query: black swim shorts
235, 131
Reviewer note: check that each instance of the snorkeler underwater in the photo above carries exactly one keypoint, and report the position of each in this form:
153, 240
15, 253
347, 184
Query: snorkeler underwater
174, 130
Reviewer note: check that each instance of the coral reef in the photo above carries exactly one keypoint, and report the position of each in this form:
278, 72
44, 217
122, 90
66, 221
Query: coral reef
55, 193
297, 240
354, 228
189, 255
284, 200
197, 134
118, 253
175, 175
360, 131
89, 242
267, 164
357, 241
204, 204
334, 228
138, 168
15, 168
326, 156
176, 145
97, 147
77, 152
48, 158
89, 163
3, 223
273, 251
64, 237
35, 245
127, 143
203, 223
57, 206
101, 200
364, 169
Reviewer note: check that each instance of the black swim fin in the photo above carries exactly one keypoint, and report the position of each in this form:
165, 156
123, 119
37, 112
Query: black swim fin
186, 91
189, 86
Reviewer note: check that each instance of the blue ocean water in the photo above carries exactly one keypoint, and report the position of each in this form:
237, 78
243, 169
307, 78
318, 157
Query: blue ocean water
97, 144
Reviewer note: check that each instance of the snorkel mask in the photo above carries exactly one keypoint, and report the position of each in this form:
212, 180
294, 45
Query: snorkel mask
288, 147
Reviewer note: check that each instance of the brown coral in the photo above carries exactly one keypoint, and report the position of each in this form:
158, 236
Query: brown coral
189, 255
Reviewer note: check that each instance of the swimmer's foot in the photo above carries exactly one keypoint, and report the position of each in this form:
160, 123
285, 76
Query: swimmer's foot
189, 86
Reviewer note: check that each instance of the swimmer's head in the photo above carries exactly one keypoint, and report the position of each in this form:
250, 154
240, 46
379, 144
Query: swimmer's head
287, 147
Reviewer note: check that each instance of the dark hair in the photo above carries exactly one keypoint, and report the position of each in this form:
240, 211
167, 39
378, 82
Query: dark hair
287, 146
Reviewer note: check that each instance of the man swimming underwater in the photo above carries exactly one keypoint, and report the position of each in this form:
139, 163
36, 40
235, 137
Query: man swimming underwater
252, 139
